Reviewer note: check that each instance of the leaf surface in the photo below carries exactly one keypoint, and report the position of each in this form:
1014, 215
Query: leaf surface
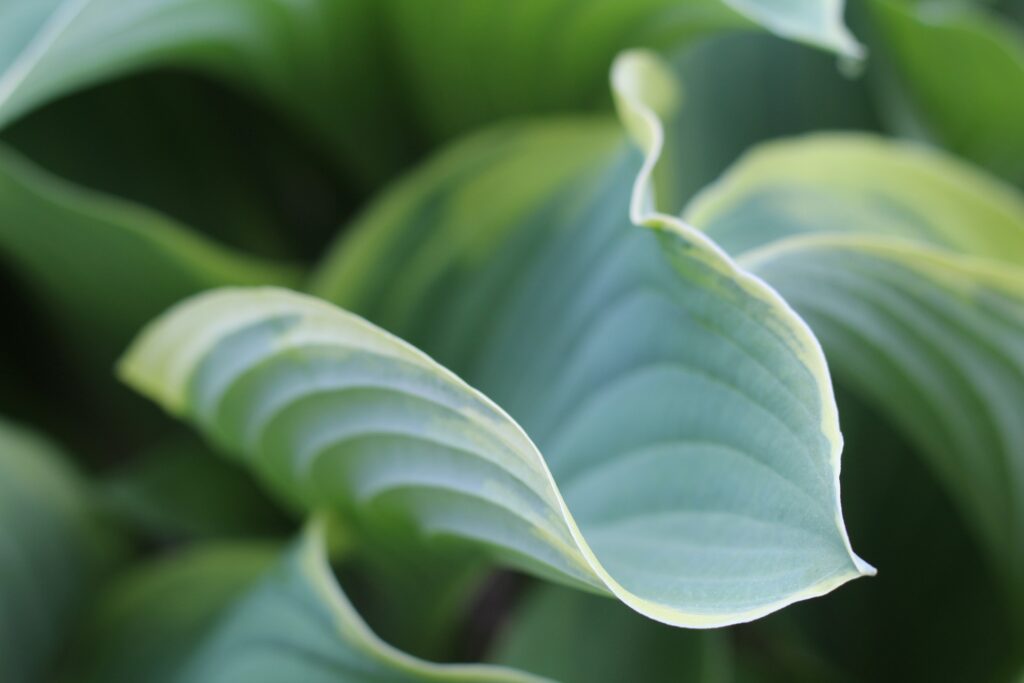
298, 625
685, 412
248, 613
910, 268
458, 66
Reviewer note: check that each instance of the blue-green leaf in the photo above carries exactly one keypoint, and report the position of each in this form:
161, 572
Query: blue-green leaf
298, 625
685, 412
910, 268
248, 614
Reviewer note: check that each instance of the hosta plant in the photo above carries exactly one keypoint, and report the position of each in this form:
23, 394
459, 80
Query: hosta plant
620, 290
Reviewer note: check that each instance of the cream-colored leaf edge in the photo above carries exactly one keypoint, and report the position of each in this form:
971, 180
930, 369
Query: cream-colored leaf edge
159, 363
645, 90
315, 565
961, 182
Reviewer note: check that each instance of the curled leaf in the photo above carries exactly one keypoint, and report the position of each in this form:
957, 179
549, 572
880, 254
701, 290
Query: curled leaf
691, 443
908, 265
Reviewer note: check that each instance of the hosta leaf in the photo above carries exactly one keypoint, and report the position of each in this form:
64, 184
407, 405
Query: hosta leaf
883, 189
545, 56
926, 48
294, 54
385, 573
309, 57
298, 625
245, 613
104, 266
51, 550
792, 88
685, 412
147, 622
910, 268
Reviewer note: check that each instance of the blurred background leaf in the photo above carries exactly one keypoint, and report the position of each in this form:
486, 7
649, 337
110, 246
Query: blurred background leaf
246, 613
53, 550
952, 73
373, 80
147, 621
201, 152
178, 490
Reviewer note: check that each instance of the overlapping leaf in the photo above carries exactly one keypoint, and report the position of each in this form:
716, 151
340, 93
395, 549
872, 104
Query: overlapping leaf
775, 88
52, 549
231, 613
298, 625
684, 410
453, 65
910, 268
150, 620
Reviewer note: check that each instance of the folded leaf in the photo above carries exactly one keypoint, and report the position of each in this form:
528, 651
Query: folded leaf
308, 58
908, 266
52, 549
685, 411
954, 73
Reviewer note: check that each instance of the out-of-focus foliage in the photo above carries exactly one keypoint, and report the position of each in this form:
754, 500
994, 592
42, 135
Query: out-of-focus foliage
956, 77
53, 550
603, 270
357, 68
